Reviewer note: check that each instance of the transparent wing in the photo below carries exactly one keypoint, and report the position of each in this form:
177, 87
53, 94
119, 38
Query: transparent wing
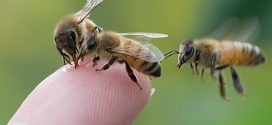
141, 50
249, 30
142, 36
149, 35
225, 30
88, 7
238, 30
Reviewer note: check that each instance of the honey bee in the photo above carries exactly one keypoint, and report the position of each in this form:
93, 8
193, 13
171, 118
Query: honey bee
131, 49
71, 30
216, 55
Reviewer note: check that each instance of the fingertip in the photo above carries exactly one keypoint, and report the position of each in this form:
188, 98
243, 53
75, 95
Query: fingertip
82, 95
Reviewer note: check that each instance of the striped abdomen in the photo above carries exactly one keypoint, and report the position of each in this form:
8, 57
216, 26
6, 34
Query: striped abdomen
148, 68
239, 53
136, 56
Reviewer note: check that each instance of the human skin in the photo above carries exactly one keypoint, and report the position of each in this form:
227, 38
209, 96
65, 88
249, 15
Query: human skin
83, 96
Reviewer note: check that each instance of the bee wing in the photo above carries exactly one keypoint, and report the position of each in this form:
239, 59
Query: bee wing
238, 30
249, 30
225, 30
149, 52
144, 34
88, 7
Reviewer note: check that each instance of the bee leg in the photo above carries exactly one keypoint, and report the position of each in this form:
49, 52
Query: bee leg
222, 88
202, 74
65, 57
64, 62
236, 81
81, 55
196, 69
222, 67
131, 75
196, 61
213, 67
95, 59
212, 70
107, 66
192, 68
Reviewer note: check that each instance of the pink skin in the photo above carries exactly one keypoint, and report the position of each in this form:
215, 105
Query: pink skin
83, 96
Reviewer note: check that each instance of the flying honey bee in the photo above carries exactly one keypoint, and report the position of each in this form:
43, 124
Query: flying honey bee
71, 30
217, 55
131, 49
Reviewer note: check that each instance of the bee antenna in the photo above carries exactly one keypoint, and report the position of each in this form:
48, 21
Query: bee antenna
80, 21
170, 53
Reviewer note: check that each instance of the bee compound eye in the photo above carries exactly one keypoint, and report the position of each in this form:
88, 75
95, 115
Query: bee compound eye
91, 45
71, 34
188, 50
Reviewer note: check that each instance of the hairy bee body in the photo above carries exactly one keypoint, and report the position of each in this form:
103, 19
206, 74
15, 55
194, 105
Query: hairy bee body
106, 40
217, 55
228, 53
239, 53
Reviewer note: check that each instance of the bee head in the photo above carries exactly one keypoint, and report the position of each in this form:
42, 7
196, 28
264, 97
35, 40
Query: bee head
66, 42
186, 51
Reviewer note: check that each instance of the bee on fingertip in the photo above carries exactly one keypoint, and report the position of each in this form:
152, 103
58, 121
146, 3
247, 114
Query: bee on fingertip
130, 49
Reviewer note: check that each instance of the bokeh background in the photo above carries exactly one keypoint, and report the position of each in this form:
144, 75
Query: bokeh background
28, 55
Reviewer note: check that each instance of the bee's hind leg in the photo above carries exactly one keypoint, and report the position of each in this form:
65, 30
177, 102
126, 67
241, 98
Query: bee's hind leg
107, 66
131, 75
236, 81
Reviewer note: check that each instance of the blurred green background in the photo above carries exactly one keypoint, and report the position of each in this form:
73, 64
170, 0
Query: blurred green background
28, 55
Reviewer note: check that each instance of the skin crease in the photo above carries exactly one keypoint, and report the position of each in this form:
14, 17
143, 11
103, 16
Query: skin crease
83, 96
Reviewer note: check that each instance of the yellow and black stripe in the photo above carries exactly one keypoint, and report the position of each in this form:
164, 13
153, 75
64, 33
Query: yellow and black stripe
239, 53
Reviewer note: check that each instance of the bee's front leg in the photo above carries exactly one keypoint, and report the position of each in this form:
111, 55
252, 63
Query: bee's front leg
95, 60
196, 61
107, 66
81, 55
65, 57
192, 68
